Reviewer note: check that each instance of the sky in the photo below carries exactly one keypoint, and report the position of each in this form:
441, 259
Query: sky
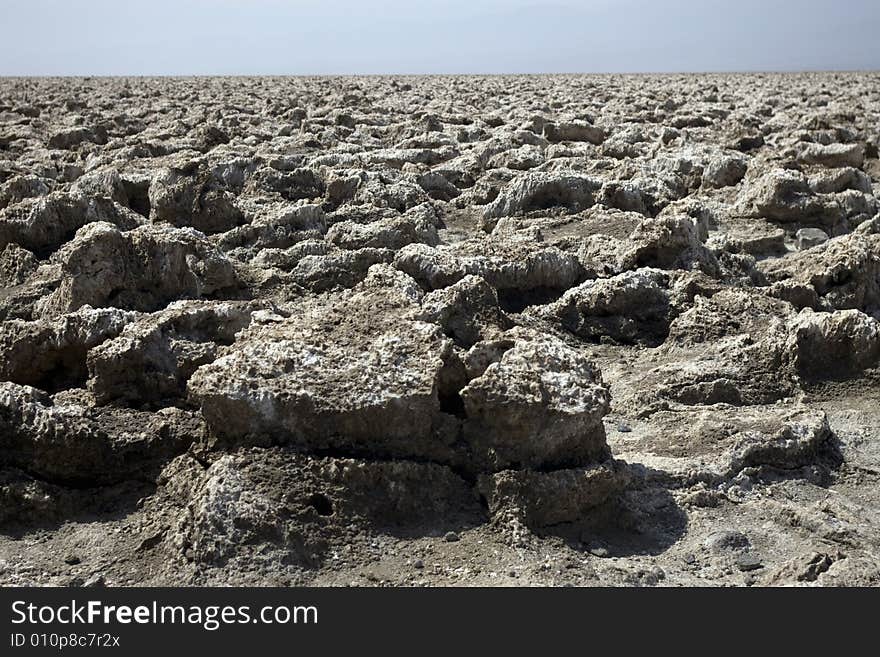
296, 37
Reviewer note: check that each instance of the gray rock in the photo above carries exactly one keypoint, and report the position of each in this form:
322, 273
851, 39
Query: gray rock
142, 269
153, 357
540, 406
844, 272
724, 170
51, 354
573, 131
748, 561
633, 307
393, 234
833, 155
807, 238
559, 496
16, 265
285, 503
69, 443
193, 196
534, 191
724, 540
834, 345
326, 378
44, 223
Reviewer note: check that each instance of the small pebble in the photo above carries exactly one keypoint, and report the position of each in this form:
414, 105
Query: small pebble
807, 238
726, 539
95, 581
748, 561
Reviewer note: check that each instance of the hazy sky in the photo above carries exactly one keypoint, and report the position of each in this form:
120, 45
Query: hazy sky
183, 37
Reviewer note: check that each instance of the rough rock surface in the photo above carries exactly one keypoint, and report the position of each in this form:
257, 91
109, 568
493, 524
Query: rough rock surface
434, 331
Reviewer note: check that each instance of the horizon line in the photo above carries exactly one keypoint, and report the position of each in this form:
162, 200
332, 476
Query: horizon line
446, 74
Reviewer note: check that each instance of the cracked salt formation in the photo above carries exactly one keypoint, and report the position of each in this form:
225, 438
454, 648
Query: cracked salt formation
602, 329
